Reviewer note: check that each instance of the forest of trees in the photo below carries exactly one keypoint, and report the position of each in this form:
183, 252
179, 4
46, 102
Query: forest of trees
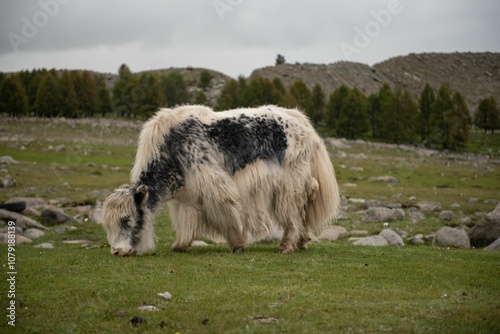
438, 119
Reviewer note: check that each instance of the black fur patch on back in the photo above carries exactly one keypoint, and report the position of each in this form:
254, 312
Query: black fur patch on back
241, 140
245, 139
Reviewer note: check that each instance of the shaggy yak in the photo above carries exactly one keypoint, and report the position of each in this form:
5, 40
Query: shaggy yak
233, 174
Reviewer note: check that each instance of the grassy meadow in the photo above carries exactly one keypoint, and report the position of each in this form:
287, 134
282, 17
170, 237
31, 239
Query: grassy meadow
333, 287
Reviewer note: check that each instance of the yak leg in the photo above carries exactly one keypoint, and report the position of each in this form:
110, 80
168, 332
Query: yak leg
186, 221
223, 209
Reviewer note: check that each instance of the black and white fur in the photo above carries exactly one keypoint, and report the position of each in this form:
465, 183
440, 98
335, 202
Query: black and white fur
230, 173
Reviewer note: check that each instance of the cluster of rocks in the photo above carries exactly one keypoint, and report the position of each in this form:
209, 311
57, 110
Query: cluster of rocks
486, 233
53, 217
6, 181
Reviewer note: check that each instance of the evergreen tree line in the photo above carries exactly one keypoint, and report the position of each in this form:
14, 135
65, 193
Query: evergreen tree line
51, 93
438, 119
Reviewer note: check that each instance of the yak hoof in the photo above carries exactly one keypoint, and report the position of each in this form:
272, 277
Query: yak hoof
238, 250
286, 249
178, 250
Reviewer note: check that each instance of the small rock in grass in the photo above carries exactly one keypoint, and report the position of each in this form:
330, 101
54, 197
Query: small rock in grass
76, 242
120, 313
447, 215
417, 239
374, 240
429, 206
45, 245
165, 295
136, 320
264, 320
451, 237
148, 308
386, 178
393, 239
33, 233
199, 243
495, 246
333, 233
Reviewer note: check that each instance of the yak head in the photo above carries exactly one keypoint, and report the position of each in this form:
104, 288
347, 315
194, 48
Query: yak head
128, 221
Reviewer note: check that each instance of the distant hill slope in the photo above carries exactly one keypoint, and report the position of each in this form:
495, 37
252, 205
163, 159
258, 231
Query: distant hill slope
475, 75
191, 76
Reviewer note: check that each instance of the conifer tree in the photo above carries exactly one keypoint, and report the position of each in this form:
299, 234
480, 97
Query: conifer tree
69, 97
374, 117
442, 109
352, 119
174, 89
460, 122
386, 105
426, 101
229, 97
13, 98
259, 91
317, 105
334, 105
46, 96
147, 95
205, 80
302, 94
88, 94
103, 98
122, 91
487, 116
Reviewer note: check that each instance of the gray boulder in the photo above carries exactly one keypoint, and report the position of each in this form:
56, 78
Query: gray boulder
416, 216
20, 220
33, 233
429, 206
55, 216
447, 215
374, 240
333, 233
495, 246
45, 245
385, 178
393, 239
4, 238
487, 230
379, 214
417, 239
451, 237
7, 182
7, 160
31, 202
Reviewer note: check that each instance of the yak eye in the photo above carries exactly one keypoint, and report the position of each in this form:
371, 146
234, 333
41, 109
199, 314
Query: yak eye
124, 223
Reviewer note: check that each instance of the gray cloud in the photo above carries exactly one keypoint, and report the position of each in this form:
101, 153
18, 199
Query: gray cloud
100, 35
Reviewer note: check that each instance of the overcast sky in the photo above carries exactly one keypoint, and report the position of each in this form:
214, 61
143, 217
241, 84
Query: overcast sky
236, 36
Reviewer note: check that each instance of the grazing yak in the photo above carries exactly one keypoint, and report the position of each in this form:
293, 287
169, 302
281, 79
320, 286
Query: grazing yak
233, 173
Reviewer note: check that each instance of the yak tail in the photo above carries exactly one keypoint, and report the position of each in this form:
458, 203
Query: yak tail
324, 200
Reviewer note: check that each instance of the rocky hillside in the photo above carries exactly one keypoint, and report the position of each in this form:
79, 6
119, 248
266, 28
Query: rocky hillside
475, 75
191, 76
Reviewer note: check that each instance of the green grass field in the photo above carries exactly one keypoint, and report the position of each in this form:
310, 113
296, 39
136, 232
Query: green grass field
333, 287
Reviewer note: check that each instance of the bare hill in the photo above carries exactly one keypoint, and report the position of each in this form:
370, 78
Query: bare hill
475, 75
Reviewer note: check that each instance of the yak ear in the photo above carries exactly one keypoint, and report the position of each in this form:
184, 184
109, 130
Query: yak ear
141, 194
